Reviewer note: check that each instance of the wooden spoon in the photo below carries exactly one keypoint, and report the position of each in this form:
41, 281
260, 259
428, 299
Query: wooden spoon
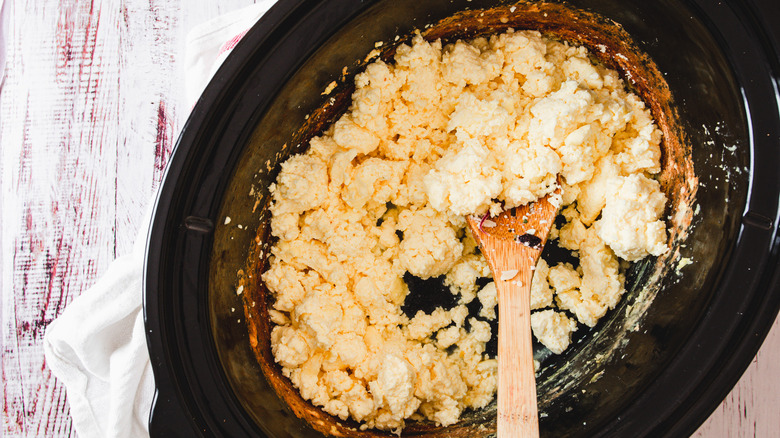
512, 243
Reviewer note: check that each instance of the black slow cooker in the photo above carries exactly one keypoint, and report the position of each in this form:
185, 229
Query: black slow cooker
700, 331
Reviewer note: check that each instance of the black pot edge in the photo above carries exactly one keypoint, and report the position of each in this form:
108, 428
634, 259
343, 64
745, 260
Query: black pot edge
759, 235
690, 412
173, 404
763, 16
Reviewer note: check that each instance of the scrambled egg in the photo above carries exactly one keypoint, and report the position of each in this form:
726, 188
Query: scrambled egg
443, 132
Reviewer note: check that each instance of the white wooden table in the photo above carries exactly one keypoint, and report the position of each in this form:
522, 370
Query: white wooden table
89, 112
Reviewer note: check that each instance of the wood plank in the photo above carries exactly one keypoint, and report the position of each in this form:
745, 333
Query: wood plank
148, 48
58, 101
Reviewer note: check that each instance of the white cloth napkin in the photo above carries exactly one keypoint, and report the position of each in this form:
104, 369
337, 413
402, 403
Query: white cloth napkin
97, 347
208, 44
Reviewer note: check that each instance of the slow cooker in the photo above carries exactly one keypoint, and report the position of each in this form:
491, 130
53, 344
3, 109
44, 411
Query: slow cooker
699, 325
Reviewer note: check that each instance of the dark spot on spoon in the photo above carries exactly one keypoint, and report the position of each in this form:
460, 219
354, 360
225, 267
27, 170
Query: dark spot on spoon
529, 240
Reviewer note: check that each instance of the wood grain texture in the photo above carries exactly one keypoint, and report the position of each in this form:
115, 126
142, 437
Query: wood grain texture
90, 108
89, 112
517, 414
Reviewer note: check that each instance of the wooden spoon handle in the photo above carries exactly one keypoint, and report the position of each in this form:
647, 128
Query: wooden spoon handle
517, 413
